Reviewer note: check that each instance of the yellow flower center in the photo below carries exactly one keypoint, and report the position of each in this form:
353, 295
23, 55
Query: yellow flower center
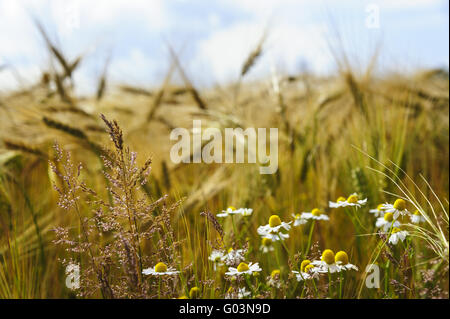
328, 256
275, 274
316, 212
395, 230
352, 199
266, 242
230, 250
308, 268
303, 265
217, 259
342, 257
380, 207
341, 199
400, 204
232, 207
417, 213
242, 267
160, 267
297, 216
194, 292
274, 221
183, 297
389, 217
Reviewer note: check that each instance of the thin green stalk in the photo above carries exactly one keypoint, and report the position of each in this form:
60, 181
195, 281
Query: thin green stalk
310, 237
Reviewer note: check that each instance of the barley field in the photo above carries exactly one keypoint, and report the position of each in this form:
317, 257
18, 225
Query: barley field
358, 207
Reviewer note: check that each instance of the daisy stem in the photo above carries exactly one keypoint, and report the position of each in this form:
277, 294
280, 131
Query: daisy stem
284, 245
310, 237
278, 258
330, 293
235, 230
159, 287
386, 278
315, 287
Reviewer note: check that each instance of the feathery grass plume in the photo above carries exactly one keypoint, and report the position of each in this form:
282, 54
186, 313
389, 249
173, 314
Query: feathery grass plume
128, 219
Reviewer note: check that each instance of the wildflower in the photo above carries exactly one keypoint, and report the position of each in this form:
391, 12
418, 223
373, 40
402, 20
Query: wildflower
273, 230
233, 211
194, 293
217, 257
399, 208
229, 211
341, 259
274, 279
386, 222
245, 211
266, 245
298, 220
183, 297
379, 211
160, 269
315, 214
243, 268
397, 234
241, 293
352, 200
308, 272
326, 263
233, 257
417, 218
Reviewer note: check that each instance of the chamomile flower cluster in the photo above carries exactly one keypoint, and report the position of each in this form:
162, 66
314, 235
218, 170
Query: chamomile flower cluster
307, 271
230, 211
388, 216
331, 263
315, 214
352, 201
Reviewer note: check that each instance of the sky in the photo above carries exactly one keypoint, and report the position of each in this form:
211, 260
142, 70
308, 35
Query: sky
213, 38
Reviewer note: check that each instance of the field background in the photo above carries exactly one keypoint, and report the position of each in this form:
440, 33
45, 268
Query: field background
329, 128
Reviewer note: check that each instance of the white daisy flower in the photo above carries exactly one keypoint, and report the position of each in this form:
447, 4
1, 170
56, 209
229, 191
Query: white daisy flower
243, 268
331, 263
266, 245
326, 264
273, 230
352, 200
229, 211
307, 271
399, 208
396, 235
245, 211
386, 222
315, 214
341, 259
298, 220
217, 257
160, 269
417, 218
379, 211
